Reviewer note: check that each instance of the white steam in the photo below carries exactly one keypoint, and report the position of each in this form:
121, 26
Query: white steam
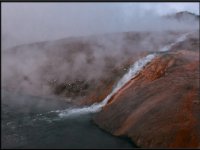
24, 23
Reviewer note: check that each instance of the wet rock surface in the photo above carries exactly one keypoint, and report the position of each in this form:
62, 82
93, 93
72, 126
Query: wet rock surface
160, 107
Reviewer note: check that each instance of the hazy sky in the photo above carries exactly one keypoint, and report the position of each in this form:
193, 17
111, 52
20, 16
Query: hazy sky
30, 22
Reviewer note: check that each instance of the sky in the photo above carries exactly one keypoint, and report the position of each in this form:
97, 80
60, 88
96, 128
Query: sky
24, 23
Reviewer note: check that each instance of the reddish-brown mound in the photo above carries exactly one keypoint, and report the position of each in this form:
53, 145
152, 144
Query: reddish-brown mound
160, 107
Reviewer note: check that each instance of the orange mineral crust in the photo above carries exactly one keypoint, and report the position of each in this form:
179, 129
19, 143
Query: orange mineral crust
160, 107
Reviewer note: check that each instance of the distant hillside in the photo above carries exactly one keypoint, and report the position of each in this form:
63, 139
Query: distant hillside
183, 16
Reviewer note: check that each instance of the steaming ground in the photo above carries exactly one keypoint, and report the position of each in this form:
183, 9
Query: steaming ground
39, 122
130, 74
73, 67
42, 83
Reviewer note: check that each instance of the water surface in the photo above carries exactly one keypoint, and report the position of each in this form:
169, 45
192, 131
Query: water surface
27, 122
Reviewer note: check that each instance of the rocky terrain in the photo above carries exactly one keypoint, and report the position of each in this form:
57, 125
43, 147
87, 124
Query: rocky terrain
160, 107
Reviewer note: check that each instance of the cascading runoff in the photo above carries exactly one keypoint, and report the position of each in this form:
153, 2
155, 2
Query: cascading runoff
180, 39
133, 71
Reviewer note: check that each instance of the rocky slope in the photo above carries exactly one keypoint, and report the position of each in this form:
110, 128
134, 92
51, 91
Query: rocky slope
160, 107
